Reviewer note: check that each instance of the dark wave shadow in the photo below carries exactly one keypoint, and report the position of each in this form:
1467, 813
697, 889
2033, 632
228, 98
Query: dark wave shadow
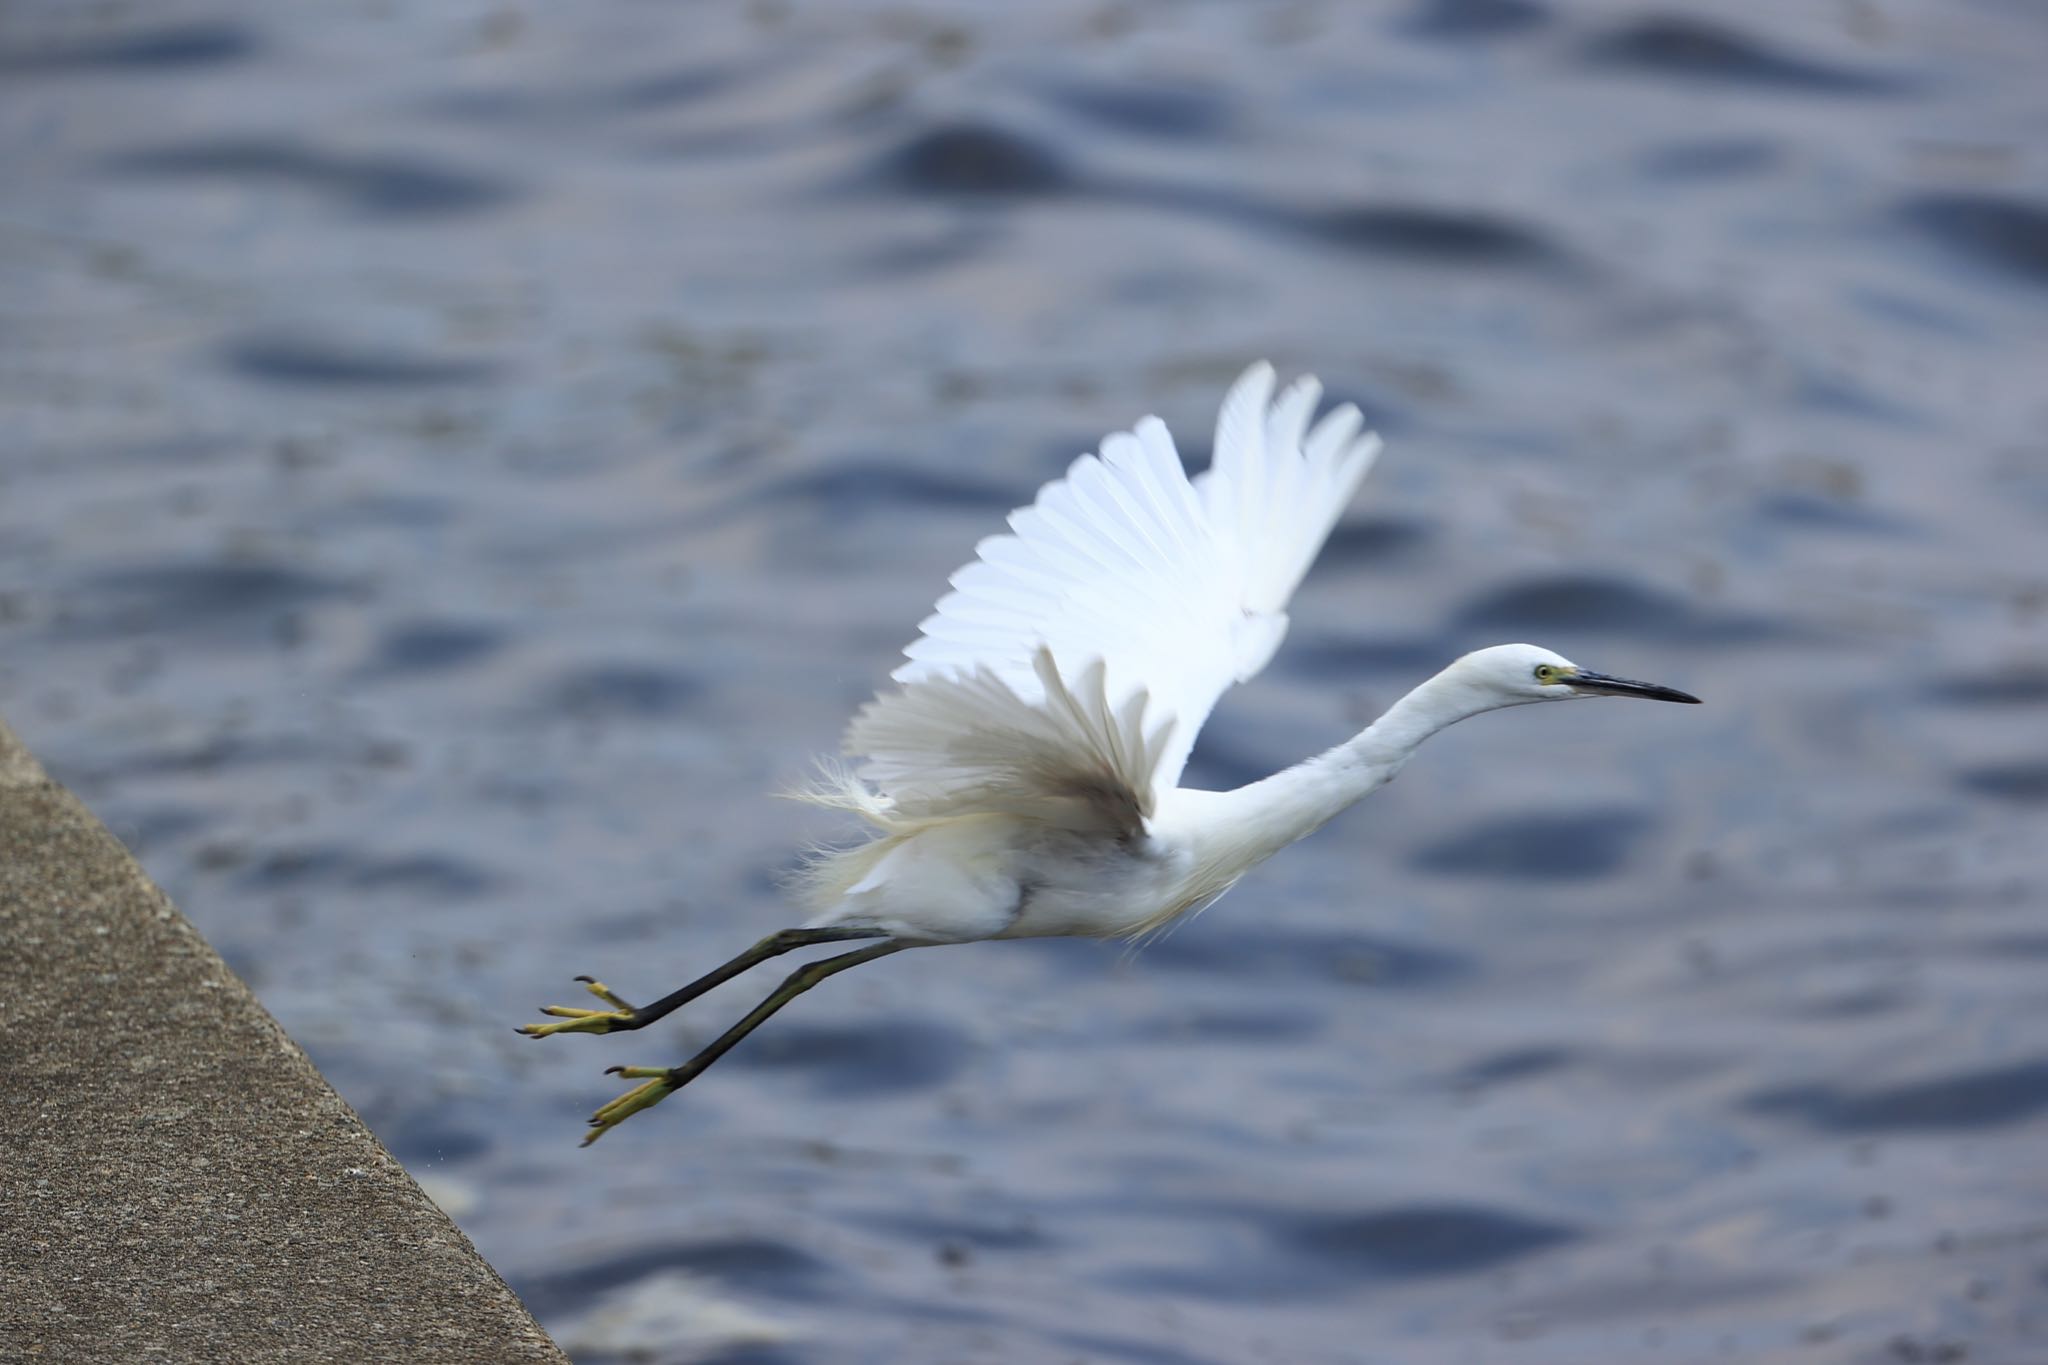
620, 690
1818, 512
1841, 397
422, 1141
172, 47
422, 876
1683, 47
1465, 20
932, 1230
867, 487
1153, 109
412, 648
2009, 236
666, 89
1554, 847
387, 186
986, 161
1995, 947
1218, 763
279, 359
239, 601
403, 511
1415, 234
1866, 1003
2023, 783
145, 829
1319, 1254
1898, 309
980, 160
1976, 1099
870, 1057
2024, 685
1515, 1065
1432, 235
1590, 604
1262, 1028
1422, 1240
214, 754
1301, 956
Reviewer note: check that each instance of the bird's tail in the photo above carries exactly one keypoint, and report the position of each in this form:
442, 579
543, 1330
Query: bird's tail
829, 870
835, 787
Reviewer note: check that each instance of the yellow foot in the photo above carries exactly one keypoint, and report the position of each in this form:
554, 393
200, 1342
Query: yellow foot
584, 1021
657, 1089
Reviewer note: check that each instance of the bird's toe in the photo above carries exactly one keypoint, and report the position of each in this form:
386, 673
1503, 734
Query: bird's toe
572, 1020
660, 1084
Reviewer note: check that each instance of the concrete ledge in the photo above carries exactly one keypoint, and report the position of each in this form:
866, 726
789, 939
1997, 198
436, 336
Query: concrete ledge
176, 1180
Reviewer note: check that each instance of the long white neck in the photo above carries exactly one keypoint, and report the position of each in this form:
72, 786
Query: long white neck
1255, 822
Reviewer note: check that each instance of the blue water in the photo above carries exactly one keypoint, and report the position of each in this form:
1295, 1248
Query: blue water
460, 459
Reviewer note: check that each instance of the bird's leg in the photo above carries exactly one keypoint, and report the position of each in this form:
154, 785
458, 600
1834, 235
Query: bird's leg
622, 1016
662, 1081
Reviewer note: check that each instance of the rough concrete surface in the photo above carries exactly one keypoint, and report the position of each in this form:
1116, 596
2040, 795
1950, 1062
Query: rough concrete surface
179, 1182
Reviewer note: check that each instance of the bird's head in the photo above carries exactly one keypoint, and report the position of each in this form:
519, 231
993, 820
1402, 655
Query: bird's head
1512, 675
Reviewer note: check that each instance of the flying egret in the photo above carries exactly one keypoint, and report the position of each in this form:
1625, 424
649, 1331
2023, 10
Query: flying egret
1020, 779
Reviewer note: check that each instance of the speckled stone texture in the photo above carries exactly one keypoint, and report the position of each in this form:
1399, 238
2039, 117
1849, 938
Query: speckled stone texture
179, 1182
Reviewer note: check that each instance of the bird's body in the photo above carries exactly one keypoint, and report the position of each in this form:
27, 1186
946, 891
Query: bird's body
1001, 875
998, 876
1022, 779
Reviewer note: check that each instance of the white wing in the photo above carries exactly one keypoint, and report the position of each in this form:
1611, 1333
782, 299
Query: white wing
1067, 673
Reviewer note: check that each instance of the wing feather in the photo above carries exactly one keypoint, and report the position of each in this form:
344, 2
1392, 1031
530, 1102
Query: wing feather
1067, 672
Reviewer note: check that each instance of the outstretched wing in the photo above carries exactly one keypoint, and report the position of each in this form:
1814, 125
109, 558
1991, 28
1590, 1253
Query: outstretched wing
1069, 670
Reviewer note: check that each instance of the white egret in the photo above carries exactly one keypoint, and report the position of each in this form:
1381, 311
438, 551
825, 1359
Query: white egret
1020, 779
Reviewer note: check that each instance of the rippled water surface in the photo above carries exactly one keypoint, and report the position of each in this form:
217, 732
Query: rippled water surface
460, 458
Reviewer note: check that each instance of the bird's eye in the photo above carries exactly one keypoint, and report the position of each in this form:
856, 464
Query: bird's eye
1545, 673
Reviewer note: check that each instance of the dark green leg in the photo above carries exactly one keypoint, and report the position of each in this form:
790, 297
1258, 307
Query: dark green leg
622, 1016
663, 1081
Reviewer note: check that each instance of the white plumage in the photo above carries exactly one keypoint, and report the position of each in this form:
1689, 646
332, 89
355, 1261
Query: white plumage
1095, 638
1022, 777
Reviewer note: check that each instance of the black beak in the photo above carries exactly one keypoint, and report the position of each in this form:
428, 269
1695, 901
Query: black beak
1587, 681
